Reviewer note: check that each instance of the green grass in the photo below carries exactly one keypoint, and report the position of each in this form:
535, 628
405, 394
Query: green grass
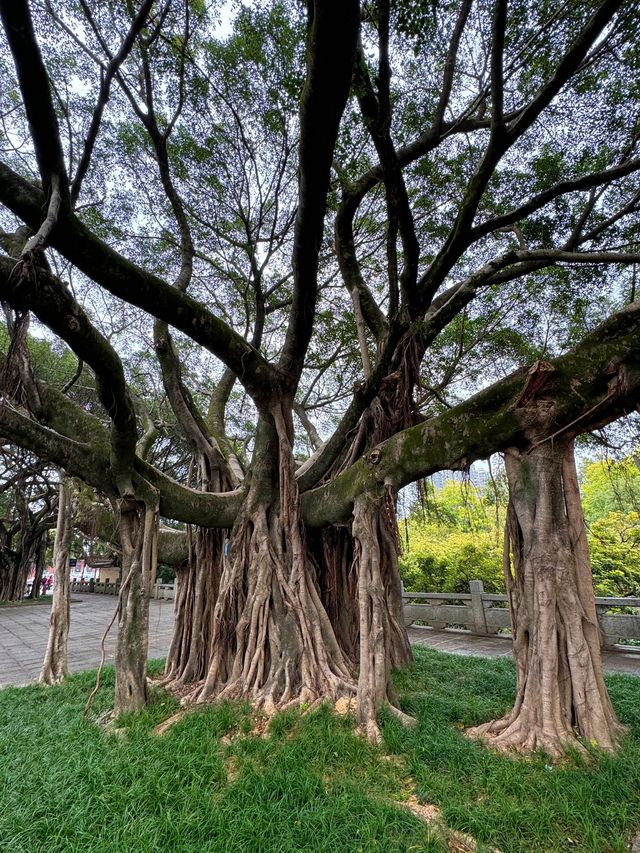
209, 784
28, 602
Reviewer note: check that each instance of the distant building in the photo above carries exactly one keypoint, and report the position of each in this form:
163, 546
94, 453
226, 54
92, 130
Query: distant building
478, 475
106, 567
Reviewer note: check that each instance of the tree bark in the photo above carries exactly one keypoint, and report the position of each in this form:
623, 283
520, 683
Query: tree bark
382, 635
139, 534
273, 642
55, 666
561, 695
39, 555
197, 591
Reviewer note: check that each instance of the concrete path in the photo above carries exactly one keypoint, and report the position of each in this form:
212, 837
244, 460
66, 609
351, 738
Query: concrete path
24, 630
623, 659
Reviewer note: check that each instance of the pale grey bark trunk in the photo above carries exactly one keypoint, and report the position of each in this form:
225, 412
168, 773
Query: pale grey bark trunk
139, 535
55, 666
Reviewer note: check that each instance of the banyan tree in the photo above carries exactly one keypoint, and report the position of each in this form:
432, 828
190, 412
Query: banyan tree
347, 245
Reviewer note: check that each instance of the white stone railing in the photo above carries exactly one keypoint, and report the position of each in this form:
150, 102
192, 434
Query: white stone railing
485, 613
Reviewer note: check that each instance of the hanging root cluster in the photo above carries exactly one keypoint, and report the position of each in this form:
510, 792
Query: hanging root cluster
270, 618
272, 641
198, 586
382, 634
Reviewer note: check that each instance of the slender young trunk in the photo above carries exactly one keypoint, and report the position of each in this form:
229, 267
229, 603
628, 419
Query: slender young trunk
561, 695
55, 666
139, 539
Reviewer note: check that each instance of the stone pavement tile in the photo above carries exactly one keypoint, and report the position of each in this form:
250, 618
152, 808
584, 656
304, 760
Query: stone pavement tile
464, 643
16, 676
23, 638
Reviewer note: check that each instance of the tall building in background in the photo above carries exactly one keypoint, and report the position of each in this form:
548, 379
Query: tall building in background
478, 474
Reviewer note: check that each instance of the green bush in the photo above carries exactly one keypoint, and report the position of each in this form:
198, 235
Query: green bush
445, 561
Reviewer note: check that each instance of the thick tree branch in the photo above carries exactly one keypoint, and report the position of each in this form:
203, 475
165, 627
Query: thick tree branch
103, 97
604, 369
26, 286
503, 136
539, 200
566, 68
449, 68
331, 46
36, 94
128, 281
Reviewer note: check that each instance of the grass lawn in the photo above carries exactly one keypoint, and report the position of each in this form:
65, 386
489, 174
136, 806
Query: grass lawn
306, 784
28, 602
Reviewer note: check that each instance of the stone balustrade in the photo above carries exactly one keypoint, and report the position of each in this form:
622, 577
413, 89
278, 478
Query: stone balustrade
487, 613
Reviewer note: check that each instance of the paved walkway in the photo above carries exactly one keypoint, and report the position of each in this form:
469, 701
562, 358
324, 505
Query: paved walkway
622, 659
24, 630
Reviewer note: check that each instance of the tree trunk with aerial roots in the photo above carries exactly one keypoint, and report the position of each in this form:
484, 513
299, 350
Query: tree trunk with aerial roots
138, 536
561, 696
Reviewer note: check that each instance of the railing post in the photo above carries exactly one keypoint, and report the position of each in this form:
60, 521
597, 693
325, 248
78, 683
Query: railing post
476, 588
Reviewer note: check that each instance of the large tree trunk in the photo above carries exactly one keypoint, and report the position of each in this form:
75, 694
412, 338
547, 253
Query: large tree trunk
13, 576
139, 537
272, 640
561, 695
55, 666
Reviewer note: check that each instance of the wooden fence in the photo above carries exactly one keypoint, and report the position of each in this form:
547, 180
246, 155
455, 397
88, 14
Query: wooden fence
486, 613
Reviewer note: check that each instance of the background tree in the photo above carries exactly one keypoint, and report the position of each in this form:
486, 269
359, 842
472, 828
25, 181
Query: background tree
27, 515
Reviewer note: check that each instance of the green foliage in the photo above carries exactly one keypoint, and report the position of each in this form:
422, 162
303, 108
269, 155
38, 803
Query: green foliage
614, 542
165, 574
611, 502
610, 487
52, 362
447, 562
455, 537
